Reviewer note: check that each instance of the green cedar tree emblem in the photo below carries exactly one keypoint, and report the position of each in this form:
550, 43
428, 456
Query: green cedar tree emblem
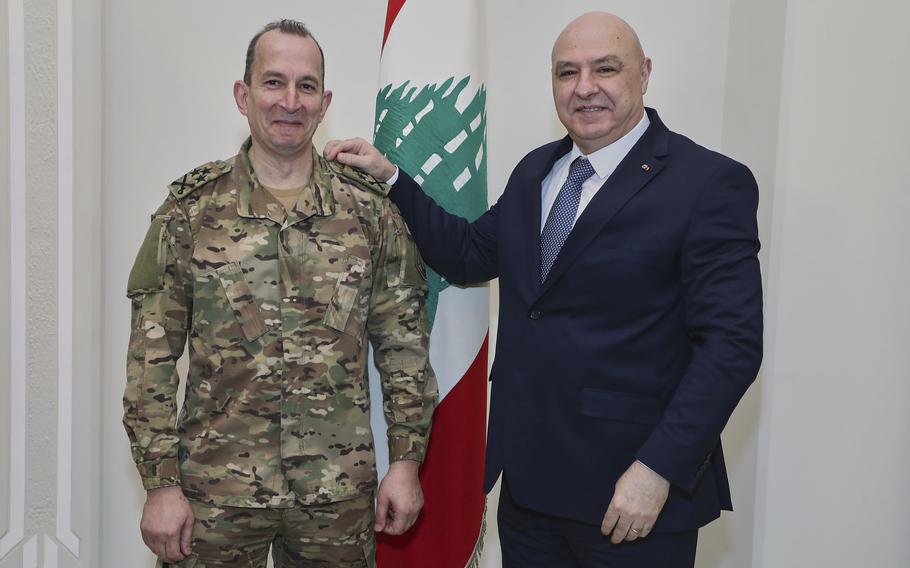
443, 148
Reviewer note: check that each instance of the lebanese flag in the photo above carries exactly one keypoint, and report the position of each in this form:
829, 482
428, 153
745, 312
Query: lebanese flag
431, 121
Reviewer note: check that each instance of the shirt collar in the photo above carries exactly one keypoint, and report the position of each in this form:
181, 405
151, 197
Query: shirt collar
608, 158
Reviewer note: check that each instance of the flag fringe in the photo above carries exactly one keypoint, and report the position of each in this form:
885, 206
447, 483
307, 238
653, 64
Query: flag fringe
474, 561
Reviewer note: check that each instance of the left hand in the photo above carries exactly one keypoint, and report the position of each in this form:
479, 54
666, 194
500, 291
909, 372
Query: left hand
399, 499
639, 496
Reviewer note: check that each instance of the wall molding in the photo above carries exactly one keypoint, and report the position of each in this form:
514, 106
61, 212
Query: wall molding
18, 331
50, 553
30, 553
65, 276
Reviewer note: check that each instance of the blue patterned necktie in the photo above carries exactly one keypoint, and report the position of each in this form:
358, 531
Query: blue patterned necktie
562, 214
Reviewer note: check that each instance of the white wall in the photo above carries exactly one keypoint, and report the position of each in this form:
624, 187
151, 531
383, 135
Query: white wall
835, 457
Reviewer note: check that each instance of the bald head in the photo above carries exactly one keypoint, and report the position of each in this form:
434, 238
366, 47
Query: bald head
602, 25
600, 76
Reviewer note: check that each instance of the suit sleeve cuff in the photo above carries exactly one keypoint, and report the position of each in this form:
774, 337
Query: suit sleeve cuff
159, 473
394, 178
402, 188
681, 473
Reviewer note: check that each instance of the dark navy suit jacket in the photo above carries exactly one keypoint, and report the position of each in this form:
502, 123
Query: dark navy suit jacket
641, 341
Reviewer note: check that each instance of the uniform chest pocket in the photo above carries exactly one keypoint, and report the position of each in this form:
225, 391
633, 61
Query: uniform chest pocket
348, 308
224, 310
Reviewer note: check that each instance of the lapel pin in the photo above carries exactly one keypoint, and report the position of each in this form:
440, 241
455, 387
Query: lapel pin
646, 167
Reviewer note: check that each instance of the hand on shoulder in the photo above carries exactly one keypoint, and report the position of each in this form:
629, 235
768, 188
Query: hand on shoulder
360, 154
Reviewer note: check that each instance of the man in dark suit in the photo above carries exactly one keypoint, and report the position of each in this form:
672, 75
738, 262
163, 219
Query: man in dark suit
630, 316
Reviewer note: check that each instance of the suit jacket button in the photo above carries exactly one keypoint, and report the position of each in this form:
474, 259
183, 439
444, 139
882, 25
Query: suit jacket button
535, 315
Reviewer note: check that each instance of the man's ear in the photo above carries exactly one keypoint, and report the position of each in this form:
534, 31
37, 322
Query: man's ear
645, 74
326, 101
242, 96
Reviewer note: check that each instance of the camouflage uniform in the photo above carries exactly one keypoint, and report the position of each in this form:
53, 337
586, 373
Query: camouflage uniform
335, 535
278, 306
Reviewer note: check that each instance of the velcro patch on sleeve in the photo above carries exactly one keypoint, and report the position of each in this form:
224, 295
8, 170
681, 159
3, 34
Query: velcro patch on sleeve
147, 274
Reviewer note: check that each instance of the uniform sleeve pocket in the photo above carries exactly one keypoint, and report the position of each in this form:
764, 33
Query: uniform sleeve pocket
405, 266
624, 407
345, 312
147, 274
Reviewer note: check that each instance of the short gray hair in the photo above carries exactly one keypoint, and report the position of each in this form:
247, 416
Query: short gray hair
286, 26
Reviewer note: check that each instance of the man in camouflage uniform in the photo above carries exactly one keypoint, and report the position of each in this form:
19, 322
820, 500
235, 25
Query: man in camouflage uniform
278, 269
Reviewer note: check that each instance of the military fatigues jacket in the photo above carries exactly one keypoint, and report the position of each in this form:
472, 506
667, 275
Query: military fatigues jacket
278, 307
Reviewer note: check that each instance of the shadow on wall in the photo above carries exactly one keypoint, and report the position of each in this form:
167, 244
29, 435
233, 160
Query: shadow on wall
718, 545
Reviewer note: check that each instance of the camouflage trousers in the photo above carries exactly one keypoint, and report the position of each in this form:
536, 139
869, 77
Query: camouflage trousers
337, 535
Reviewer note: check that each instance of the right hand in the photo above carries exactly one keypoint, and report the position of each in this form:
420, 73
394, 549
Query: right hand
399, 498
360, 154
167, 523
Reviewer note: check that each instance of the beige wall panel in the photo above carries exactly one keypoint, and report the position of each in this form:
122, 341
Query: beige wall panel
53, 454
12, 508
5, 290
79, 469
41, 270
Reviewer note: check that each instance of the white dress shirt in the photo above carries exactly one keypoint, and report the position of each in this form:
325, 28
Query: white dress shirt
604, 162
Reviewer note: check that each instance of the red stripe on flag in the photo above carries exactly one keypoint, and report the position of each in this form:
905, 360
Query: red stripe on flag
390, 15
452, 480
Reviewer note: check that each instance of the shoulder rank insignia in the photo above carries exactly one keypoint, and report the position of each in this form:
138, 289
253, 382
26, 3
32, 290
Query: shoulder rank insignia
359, 178
188, 183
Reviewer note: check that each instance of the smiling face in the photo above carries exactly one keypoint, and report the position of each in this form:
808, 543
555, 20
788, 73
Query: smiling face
285, 100
600, 76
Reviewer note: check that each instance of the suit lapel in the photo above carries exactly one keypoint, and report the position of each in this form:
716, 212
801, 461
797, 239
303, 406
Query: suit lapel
642, 164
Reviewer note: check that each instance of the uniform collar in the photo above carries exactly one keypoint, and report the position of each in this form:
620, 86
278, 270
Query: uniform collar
254, 201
